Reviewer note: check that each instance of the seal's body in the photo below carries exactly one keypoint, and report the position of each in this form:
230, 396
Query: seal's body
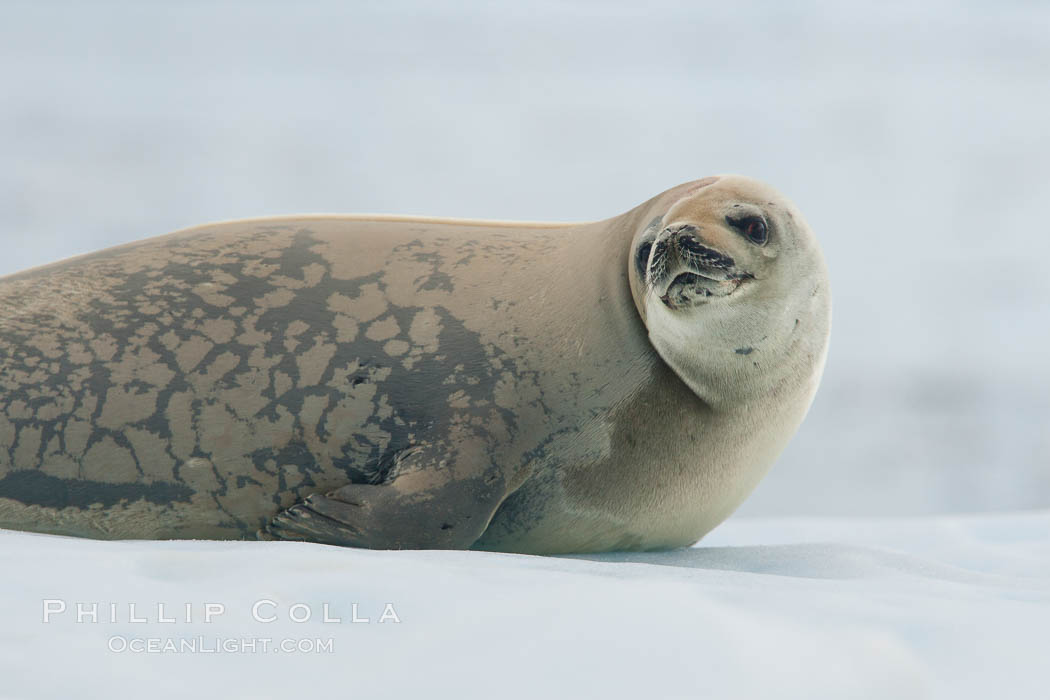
395, 382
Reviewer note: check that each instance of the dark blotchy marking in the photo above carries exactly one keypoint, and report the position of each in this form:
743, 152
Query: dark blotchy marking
156, 311
645, 245
33, 487
641, 259
744, 351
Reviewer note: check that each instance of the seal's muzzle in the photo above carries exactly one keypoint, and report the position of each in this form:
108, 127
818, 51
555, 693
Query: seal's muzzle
682, 269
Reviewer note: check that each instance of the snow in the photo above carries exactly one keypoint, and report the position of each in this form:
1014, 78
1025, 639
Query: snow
930, 607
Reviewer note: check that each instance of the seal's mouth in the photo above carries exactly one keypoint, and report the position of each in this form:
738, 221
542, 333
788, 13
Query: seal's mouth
696, 286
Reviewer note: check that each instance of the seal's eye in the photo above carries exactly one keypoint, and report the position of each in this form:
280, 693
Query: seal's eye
754, 227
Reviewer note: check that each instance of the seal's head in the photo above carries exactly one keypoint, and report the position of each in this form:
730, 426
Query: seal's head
732, 286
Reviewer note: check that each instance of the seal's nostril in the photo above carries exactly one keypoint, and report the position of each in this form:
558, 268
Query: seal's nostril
691, 243
681, 235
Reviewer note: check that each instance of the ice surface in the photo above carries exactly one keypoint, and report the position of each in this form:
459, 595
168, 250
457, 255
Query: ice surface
934, 607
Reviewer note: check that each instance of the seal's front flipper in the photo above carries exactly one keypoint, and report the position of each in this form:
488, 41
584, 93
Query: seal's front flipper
437, 500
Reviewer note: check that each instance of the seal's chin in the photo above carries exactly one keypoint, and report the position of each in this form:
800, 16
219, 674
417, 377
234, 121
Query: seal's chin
698, 286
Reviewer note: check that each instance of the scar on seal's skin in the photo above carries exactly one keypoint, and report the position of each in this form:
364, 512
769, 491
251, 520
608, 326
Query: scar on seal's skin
744, 351
700, 184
